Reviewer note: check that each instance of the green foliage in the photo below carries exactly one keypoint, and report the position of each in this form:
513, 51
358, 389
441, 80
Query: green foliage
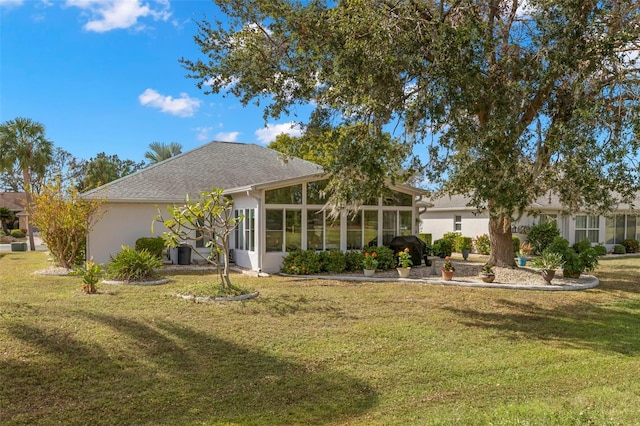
90, 273
155, 246
354, 260
17, 233
516, 243
482, 244
7, 217
574, 263
160, 151
133, 266
301, 262
463, 243
619, 249
385, 256
582, 246
332, 261
427, 238
541, 235
600, 249
370, 262
104, 169
442, 247
548, 260
404, 259
631, 245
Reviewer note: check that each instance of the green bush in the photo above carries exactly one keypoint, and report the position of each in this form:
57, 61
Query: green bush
462, 242
332, 261
451, 238
516, 243
583, 245
301, 262
442, 248
427, 238
18, 233
385, 256
482, 244
541, 235
631, 245
600, 249
575, 262
132, 265
155, 246
354, 260
619, 249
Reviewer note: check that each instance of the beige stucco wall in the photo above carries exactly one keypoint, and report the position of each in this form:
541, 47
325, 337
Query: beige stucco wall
121, 224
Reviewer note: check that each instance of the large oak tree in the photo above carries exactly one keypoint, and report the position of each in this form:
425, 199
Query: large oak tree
509, 99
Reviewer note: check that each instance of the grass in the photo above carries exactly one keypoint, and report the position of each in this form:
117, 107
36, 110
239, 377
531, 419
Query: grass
317, 352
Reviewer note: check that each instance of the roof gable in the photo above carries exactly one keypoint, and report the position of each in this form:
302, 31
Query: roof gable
228, 165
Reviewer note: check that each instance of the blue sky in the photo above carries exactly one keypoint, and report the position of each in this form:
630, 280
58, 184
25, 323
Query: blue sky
103, 76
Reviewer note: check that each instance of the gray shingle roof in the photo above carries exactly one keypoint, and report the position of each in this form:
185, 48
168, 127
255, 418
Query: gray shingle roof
227, 165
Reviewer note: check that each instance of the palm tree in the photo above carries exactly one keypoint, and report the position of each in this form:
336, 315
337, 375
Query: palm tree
23, 144
160, 151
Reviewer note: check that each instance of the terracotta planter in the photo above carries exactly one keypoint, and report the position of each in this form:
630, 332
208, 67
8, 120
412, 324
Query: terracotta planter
404, 272
487, 278
369, 272
447, 275
548, 274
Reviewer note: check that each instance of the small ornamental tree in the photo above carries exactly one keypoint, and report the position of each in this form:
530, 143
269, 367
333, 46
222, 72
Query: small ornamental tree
63, 219
208, 217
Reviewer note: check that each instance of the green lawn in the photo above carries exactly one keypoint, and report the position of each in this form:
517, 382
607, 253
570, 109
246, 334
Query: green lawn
317, 352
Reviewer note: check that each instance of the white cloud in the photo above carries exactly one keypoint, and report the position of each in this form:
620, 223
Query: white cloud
203, 133
106, 15
227, 136
270, 131
184, 106
10, 3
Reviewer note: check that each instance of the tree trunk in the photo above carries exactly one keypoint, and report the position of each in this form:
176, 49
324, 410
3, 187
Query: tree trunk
501, 242
27, 186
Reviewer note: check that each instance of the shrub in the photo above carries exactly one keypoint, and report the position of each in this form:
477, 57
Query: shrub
442, 248
132, 265
332, 261
619, 249
482, 244
516, 243
583, 245
462, 243
427, 238
631, 245
600, 249
301, 262
17, 233
541, 235
386, 257
353, 260
155, 246
451, 238
90, 273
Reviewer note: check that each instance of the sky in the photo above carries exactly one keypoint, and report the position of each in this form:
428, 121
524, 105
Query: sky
104, 76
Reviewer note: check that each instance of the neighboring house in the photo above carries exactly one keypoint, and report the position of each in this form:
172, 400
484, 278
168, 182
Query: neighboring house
16, 202
452, 214
280, 199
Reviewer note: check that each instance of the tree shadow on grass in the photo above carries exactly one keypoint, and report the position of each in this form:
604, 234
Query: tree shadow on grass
582, 325
166, 374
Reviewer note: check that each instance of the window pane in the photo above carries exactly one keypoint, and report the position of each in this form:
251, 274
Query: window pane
581, 222
631, 226
593, 235
580, 235
371, 227
249, 229
239, 231
398, 199
389, 226
294, 230
594, 222
620, 228
610, 230
315, 234
333, 233
274, 230
286, 195
405, 223
354, 232
314, 190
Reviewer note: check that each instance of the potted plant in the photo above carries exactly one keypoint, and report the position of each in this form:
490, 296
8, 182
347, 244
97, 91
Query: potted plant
370, 264
487, 273
525, 251
548, 262
463, 245
404, 263
447, 269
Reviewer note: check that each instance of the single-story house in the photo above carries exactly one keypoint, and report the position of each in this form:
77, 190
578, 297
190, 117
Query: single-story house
16, 202
453, 214
279, 198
